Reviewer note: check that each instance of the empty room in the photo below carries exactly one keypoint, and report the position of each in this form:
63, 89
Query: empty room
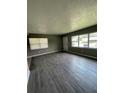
62, 46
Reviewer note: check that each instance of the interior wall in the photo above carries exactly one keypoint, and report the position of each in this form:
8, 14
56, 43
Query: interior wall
84, 51
54, 44
65, 43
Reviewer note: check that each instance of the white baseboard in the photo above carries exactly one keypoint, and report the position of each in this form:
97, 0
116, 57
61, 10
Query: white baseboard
83, 54
43, 53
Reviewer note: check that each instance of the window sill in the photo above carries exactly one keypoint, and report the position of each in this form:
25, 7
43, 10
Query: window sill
84, 48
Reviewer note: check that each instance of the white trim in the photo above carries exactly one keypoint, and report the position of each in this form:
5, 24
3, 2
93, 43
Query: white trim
83, 55
43, 54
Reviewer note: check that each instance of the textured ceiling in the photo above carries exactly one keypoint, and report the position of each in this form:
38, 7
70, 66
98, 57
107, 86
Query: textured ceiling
60, 16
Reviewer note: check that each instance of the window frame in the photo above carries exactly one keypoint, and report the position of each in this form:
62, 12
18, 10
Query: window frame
75, 41
92, 40
38, 44
87, 42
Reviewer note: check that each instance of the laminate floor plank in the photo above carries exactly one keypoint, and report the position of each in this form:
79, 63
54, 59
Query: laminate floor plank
62, 73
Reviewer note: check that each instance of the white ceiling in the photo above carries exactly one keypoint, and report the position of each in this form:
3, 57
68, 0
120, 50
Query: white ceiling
60, 16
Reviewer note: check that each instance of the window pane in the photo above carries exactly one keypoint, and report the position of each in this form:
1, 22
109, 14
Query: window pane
93, 45
75, 44
83, 40
43, 40
84, 36
74, 38
93, 34
83, 44
93, 40
34, 40
35, 46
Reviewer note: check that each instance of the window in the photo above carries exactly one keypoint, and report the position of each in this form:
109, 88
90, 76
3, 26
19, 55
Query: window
74, 41
83, 40
93, 40
38, 43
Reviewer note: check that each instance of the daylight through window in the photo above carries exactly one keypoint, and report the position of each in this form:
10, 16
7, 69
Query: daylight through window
38, 43
85, 40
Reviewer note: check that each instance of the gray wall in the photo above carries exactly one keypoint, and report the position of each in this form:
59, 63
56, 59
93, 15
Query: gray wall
83, 51
54, 44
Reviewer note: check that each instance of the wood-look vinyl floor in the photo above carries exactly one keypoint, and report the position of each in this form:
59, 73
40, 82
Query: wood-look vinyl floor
62, 73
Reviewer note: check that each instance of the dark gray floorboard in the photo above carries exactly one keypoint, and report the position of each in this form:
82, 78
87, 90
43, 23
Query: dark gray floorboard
62, 73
